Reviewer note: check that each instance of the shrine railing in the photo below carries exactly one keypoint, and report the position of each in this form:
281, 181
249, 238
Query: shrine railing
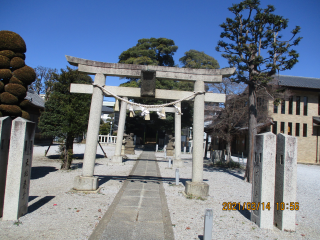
107, 139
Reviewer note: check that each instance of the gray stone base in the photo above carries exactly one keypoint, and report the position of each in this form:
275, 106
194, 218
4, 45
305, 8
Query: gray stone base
85, 183
177, 163
117, 159
197, 189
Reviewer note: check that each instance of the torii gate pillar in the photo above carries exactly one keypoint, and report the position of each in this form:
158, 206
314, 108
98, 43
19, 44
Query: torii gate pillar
177, 162
197, 187
117, 158
87, 182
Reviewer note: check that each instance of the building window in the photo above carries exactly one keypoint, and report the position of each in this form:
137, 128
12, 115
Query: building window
298, 105
305, 106
290, 105
275, 108
282, 127
274, 127
304, 129
283, 107
319, 104
260, 101
289, 128
297, 129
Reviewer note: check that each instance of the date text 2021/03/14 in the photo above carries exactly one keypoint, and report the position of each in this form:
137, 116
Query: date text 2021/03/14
255, 206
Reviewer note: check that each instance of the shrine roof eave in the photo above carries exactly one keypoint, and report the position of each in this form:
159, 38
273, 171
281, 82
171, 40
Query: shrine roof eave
225, 72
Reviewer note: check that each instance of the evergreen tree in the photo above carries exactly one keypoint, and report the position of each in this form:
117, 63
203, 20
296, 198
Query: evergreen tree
66, 114
196, 59
159, 52
255, 47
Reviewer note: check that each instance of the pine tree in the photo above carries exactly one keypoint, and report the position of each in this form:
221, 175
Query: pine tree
257, 50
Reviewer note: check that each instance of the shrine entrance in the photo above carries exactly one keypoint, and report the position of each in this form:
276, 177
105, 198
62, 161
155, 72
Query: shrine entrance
148, 74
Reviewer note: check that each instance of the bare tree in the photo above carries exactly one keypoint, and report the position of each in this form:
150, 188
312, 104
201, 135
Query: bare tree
231, 118
44, 80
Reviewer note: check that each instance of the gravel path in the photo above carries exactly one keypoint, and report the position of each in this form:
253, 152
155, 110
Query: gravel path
228, 186
54, 211
57, 213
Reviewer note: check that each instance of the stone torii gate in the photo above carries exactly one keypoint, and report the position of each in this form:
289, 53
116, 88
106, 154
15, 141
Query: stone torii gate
87, 181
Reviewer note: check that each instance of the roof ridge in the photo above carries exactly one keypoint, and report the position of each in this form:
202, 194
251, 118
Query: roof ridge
296, 76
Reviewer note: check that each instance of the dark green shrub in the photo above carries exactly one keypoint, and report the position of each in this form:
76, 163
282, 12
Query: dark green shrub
8, 53
16, 89
13, 79
1, 86
5, 74
8, 98
25, 104
10, 110
4, 62
25, 115
16, 63
25, 74
12, 41
20, 55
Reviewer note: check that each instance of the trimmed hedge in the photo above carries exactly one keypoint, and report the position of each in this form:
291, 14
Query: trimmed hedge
12, 41
25, 104
16, 63
5, 74
4, 62
25, 74
1, 86
10, 110
7, 53
20, 55
8, 98
13, 79
25, 115
16, 89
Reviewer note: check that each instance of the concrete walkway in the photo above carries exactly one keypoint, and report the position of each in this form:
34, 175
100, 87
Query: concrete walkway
140, 210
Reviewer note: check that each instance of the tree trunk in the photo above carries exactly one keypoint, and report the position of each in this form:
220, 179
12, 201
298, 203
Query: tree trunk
228, 147
252, 131
68, 152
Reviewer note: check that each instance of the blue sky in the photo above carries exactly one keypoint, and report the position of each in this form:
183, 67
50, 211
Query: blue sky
101, 30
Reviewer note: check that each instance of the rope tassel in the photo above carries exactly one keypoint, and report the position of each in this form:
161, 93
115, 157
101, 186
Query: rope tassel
132, 114
145, 112
161, 115
116, 106
163, 112
178, 110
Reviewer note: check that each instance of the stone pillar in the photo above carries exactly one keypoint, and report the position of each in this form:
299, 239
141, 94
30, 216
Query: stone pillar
5, 129
19, 169
264, 180
197, 187
177, 162
87, 182
117, 158
286, 183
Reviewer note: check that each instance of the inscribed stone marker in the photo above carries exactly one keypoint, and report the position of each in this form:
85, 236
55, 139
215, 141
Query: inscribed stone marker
5, 129
285, 183
264, 179
19, 169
